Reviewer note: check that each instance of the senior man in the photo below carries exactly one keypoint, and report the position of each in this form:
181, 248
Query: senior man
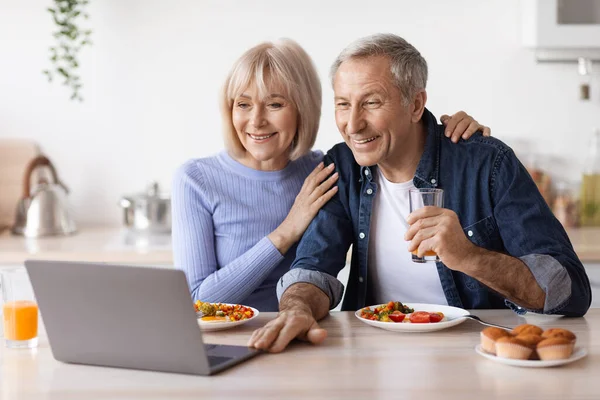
498, 243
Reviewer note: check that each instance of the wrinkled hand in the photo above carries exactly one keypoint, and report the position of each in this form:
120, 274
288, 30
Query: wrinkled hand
315, 193
438, 229
462, 125
289, 325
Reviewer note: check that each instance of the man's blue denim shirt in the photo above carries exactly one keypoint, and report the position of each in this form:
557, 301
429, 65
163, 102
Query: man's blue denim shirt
497, 203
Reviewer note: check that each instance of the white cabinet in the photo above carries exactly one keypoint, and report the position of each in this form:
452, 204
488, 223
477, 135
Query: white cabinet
561, 24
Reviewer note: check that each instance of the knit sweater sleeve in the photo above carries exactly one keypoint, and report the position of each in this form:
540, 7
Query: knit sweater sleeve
194, 245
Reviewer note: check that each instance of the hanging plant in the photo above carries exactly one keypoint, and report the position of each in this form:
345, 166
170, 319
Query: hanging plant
70, 38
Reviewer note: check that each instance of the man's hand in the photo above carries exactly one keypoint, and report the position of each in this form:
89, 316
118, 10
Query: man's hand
438, 229
289, 325
301, 305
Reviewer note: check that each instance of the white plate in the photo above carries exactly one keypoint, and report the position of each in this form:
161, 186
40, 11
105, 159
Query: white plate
452, 316
209, 326
578, 353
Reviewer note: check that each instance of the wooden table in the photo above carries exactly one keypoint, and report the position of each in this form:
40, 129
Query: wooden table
356, 362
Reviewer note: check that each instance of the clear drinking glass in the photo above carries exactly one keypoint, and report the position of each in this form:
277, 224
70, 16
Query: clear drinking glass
19, 309
419, 198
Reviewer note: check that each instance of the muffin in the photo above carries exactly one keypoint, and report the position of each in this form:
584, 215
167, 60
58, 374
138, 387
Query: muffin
489, 337
531, 341
527, 329
511, 347
559, 333
555, 348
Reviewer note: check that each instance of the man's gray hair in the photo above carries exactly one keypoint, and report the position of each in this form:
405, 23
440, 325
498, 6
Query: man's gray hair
407, 65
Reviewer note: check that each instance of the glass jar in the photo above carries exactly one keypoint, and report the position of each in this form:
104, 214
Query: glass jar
590, 185
565, 206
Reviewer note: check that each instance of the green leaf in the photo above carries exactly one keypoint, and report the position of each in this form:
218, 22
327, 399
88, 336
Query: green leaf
70, 38
58, 21
48, 75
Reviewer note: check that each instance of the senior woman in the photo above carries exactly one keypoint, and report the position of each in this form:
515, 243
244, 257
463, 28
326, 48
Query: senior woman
237, 216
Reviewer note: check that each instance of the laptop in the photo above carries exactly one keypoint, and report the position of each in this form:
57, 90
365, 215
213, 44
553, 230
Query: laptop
125, 316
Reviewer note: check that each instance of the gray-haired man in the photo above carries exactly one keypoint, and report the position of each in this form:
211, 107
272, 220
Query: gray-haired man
499, 244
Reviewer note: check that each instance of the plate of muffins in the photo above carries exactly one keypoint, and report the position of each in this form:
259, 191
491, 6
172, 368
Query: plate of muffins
530, 346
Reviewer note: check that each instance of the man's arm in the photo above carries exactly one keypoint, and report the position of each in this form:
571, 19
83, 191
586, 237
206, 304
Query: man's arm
310, 288
305, 297
301, 306
509, 276
438, 229
530, 232
541, 256
321, 252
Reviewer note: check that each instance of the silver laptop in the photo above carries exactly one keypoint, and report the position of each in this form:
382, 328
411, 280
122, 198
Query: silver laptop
125, 316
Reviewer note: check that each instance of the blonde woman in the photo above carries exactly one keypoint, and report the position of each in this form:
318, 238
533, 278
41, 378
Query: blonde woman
237, 216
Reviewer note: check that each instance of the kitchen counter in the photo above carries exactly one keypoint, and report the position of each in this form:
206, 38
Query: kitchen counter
586, 242
104, 244
100, 244
356, 361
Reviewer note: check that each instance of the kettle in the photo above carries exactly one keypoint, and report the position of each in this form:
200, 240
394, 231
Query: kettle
43, 211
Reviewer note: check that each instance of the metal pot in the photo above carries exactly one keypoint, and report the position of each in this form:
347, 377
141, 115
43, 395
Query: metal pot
147, 212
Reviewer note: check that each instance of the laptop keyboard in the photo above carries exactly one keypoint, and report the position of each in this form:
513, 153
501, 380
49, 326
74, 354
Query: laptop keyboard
216, 360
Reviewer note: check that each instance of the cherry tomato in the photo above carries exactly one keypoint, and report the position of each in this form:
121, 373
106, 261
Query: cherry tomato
420, 317
397, 316
436, 316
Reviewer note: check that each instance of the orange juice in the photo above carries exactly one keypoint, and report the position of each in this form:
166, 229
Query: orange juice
428, 253
20, 320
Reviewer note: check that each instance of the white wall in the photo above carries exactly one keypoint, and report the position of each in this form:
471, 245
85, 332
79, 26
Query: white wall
153, 74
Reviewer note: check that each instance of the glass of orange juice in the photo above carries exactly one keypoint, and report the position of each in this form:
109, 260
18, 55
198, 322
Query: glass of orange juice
19, 309
424, 197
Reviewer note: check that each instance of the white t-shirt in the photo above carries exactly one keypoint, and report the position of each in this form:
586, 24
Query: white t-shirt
392, 274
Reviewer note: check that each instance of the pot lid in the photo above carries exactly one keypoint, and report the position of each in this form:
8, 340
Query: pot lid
152, 192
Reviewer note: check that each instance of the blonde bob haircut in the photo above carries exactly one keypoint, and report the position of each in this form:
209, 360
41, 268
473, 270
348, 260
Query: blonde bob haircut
286, 65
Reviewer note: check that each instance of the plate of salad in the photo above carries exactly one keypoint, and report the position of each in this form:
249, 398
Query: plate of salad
220, 316
411, 317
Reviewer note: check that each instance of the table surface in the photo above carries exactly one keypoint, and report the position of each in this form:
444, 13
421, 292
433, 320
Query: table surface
356, 361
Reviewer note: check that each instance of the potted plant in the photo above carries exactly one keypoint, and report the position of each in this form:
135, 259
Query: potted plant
70, 38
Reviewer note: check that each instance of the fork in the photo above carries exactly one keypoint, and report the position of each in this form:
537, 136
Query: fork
476, 318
